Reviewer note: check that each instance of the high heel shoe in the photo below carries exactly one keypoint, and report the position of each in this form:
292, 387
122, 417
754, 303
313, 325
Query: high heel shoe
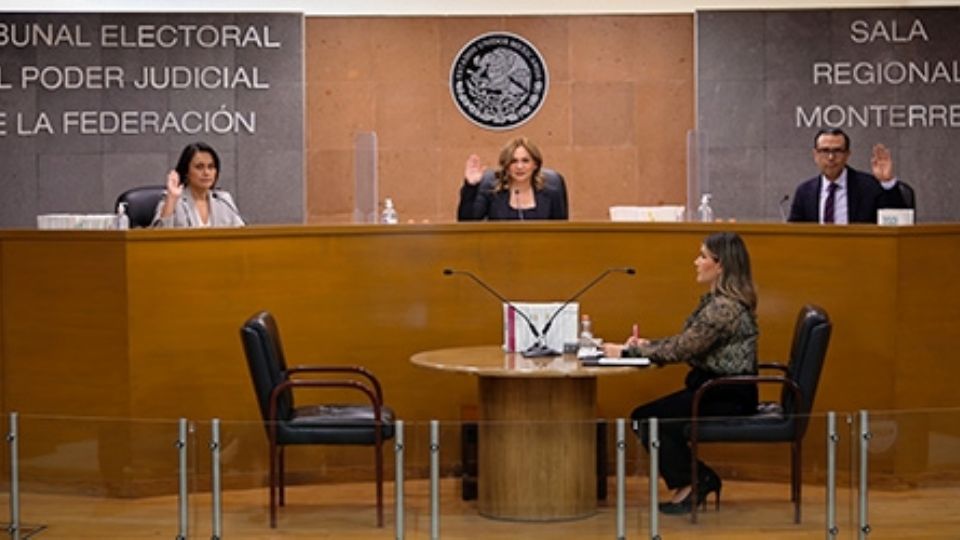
711, 483
682, 507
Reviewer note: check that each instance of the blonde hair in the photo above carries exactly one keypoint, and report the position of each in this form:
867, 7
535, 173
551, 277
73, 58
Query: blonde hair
736, 279
506, 157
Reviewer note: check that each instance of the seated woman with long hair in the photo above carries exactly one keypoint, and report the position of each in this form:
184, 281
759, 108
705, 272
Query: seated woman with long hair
718, 339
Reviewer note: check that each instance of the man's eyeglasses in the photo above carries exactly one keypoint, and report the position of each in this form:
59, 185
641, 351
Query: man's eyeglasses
831, 151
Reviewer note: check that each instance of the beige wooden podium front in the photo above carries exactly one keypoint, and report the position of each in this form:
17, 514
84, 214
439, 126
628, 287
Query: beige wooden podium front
537, 444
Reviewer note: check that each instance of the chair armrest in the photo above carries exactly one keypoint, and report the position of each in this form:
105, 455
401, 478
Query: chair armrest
312, 383
740, 380
355, 370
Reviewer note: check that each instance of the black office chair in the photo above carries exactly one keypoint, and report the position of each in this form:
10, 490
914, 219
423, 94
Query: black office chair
141, 204
785, 421
327, 423
552, 180
909, 197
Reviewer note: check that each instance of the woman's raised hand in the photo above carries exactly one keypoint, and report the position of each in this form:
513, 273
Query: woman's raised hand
174, 189
473, 171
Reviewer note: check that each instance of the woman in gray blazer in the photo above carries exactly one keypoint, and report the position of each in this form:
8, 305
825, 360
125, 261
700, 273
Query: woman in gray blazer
191, 200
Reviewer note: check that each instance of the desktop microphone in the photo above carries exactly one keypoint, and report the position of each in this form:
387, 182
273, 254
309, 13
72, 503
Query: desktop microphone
216, 195
516, 195
625, 269
783, 214
538, 345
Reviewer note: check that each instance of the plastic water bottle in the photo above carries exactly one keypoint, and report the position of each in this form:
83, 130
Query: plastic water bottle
706, 213
123, 221
389, 213
586, 333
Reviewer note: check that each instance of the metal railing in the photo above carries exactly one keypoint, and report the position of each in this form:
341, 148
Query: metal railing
430, 436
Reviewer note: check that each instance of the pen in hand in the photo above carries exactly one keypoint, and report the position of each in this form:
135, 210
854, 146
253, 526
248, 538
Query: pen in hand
634, 338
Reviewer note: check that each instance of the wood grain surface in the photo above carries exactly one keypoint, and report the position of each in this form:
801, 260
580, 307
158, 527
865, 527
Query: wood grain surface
142, 326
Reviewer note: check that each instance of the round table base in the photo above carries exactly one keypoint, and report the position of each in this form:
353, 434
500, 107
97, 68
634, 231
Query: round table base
537, 448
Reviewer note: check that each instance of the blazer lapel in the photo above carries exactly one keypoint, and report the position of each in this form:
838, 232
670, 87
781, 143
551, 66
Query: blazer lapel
854, 197
813, 200
186, 203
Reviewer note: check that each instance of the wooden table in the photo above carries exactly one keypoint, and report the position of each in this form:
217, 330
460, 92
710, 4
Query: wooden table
537, 451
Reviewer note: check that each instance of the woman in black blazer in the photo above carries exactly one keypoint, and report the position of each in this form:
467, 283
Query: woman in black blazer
518, 192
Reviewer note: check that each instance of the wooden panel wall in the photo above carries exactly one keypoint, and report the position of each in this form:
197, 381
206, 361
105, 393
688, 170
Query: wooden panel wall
144, 324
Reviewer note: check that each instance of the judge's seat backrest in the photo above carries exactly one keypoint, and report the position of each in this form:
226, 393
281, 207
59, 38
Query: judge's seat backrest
141, 204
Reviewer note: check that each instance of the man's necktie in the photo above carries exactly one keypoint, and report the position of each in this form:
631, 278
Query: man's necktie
828, 206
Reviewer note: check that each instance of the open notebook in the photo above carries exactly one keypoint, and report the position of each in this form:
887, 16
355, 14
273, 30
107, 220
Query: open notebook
604, 361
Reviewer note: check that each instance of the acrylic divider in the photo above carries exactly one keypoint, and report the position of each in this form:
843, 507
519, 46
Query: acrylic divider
366, 198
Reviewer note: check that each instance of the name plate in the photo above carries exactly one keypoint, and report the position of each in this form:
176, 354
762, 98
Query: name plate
895, 216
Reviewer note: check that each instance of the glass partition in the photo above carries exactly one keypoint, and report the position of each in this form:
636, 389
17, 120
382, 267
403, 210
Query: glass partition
752, 481
913, 460
89, 478
366, 186
329, 490
112, 478
698, 172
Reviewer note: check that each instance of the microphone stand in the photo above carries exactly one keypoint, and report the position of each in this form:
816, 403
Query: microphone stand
626, 270
216, 195
783, 214
539, 347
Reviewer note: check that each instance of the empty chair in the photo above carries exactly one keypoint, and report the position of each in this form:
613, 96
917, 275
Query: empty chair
141, 204
368, 422
785, 421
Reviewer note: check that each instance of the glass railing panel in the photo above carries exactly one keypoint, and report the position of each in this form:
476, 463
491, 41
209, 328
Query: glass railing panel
914, 474
109, 478
752, 482
330, 490
636, 482
530, 479
456, 486
93, 478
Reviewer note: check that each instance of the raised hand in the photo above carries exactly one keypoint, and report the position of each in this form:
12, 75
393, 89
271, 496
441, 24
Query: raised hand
882, 163
174, 189
473, 170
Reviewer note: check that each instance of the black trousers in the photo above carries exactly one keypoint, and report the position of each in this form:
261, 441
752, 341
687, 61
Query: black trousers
673, 412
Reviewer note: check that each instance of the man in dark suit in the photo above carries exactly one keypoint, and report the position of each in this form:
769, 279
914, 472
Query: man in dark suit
842, 194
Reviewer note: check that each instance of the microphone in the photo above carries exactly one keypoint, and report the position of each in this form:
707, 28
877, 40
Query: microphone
215, 193
516, 195
783, 214
538, 345
629, 270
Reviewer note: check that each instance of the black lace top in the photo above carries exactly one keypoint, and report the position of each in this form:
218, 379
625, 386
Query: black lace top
719, 337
